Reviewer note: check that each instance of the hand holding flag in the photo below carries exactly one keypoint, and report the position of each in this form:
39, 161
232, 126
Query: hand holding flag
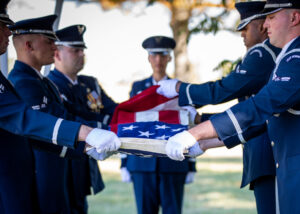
168, 88
177, 144
103, 140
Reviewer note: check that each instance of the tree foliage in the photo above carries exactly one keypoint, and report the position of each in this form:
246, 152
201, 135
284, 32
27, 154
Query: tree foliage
187, 17
227, 66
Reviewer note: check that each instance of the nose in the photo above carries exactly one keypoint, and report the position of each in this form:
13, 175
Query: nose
266, 23
243, 33
158, 58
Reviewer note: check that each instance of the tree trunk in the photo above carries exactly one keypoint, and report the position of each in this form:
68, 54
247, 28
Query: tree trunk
179, 25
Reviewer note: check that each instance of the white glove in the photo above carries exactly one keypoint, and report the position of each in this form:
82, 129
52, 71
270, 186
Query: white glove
125, 175
192, 113
195, 150
178, 143
167, 88
190, 177
103, 140
99, 156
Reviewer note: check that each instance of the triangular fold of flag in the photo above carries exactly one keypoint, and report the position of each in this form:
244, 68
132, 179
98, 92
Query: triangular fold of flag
146, 121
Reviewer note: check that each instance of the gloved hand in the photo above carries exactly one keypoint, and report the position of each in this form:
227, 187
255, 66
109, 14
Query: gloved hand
190, 177
195, 150
178, 143
125, 175
167, 88
99, 156
103, 140
192, 113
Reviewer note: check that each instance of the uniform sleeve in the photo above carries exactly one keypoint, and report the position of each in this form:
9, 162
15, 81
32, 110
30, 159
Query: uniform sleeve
33, 95
245, 80
18, 119
279, 95
61, 151
205, 117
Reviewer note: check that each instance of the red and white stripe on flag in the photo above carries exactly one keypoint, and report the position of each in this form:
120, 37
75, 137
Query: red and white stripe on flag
149, 106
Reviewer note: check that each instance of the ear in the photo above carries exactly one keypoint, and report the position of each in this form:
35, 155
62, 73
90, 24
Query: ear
57, 55
262, 28
295, 18
28, 46
148, 57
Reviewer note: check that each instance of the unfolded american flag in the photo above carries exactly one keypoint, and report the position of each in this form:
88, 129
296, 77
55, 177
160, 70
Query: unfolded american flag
146, 121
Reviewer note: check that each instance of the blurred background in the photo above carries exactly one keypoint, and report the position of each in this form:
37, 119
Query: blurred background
204, 31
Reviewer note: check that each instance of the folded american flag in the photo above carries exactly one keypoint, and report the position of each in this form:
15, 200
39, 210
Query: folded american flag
146, 121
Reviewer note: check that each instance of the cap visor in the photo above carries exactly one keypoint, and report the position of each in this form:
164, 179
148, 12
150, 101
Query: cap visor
269, 11
7, 21
51, 36
242, 25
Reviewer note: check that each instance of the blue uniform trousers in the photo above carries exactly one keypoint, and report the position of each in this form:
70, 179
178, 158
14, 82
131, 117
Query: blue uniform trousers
52, 196
264, 191
17, 180
153, 189
79, 185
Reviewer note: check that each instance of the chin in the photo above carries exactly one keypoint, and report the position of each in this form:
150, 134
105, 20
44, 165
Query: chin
273, 42
50, 62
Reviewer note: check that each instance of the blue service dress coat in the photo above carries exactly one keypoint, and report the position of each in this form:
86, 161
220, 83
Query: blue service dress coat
85, 172
278, 103
249, 76
158, 165
50, 163
16, 158
80, 98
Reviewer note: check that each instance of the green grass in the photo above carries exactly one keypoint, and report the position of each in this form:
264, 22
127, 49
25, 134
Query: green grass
215, 190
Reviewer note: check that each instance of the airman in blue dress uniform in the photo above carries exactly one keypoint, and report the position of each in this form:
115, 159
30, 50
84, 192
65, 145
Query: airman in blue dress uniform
277, 103
34, 43
157, 181
251, 74
85, 98
16, 158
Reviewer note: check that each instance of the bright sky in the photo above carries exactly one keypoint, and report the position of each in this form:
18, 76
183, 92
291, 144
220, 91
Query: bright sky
114, 38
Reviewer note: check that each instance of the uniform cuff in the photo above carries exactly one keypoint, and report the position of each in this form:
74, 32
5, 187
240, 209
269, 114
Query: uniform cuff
225, 129
205, 117
183, 99
68, 133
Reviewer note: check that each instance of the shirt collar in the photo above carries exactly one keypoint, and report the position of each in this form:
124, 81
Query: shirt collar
284, 49
155, 83
75, 82
38, 73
